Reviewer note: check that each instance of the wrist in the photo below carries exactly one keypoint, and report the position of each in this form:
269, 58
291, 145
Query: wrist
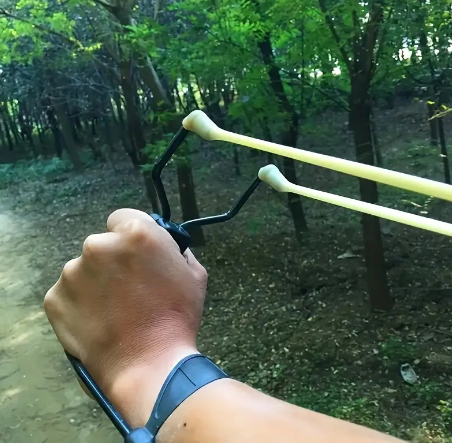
134, 390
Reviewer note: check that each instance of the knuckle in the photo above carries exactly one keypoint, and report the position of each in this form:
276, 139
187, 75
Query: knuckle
70, 269
115, 214
91, 246
138, 232
50, 302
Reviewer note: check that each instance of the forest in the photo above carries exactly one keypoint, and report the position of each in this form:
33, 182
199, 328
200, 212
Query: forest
319, 305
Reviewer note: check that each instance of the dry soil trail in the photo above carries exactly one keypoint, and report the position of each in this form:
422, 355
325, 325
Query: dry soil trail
39, 399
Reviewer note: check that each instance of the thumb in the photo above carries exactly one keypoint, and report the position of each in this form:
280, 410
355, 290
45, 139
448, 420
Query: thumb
119, 219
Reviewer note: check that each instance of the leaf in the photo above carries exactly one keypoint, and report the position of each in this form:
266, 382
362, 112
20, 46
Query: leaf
347, 254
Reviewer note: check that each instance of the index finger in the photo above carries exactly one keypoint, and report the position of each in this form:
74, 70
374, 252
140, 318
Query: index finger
120, 218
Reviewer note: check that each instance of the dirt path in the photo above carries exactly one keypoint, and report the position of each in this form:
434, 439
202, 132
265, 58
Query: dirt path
39, 398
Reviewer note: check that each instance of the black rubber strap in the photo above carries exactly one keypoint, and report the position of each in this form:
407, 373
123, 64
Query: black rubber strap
189, 375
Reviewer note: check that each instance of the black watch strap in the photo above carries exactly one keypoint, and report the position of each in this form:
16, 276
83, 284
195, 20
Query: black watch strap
189, 375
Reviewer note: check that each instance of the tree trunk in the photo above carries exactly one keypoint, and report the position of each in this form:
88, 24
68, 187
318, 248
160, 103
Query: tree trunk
2, 136
444, 155
377, 281
8, 134
9, 122
77, 129
293, 201
135, 128
149, 76
13, 119
144, 64
26, 125
136, 133
433, 123
66, 127
93, 126
267, 135
294, 204
117, 99
375, 144
289, 137
191, 99
188, 201
39, 129
108, 133
122, 124
55, 131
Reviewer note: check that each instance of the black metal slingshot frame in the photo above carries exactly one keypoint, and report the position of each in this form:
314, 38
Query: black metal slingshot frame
182, 238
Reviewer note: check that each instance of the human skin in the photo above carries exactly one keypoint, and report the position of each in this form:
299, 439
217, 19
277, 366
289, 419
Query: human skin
130, 308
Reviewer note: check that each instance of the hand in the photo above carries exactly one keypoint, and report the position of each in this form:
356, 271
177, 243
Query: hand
129, 308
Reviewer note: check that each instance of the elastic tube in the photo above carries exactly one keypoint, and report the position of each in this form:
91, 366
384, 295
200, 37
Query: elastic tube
272, 176
202, 125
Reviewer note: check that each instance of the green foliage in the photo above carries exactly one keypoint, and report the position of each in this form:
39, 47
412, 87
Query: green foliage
25, 36
152, 152
445, 407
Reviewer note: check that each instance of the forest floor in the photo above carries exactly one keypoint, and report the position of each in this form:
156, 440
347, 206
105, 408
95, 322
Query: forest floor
291, 320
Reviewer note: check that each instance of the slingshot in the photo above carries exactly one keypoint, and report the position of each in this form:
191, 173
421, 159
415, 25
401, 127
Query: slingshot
199, 123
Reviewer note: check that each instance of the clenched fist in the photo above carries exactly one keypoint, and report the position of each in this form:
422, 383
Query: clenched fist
129, 308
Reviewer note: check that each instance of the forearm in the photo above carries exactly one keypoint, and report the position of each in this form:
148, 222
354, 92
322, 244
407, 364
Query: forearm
130, 308
227, 411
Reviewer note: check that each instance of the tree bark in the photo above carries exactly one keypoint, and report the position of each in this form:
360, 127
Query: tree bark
13, 122
188, 201
444, 154
26, 125
123, 12
136, 132
289, 137
377, 281
144, 64
375, 143
66, 126
55, 131
433, 123
123, 129
7, 133
39, 128
359, 59
2, 136
9, 121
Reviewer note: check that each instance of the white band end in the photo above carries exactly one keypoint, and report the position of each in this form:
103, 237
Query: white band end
271, 175
199, 123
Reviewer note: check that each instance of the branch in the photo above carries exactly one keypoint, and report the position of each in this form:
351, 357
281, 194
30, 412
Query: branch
107, 6
356, 22
416, 80
382, 42
108, 69
371, 34
336, 37
70, 41
113, 54
290, 74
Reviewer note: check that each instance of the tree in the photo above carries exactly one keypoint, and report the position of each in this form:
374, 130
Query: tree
360, 58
